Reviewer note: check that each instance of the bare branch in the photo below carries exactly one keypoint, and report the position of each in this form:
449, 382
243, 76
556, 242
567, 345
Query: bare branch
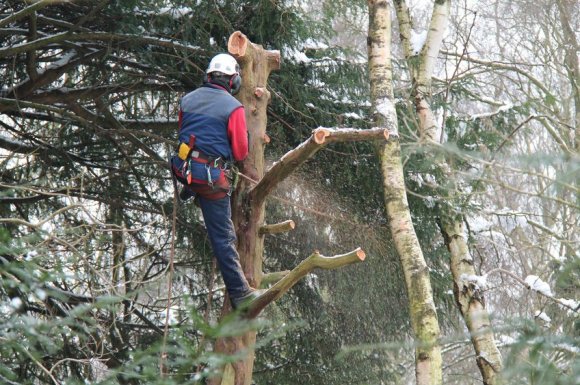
527, 286
29, 10
276, 228
131, 40
296, 157
315, 260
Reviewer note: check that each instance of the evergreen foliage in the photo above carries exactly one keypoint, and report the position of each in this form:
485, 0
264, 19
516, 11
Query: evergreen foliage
86, 170
88, 101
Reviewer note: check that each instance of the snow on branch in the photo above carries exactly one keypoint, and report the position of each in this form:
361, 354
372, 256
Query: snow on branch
535, 283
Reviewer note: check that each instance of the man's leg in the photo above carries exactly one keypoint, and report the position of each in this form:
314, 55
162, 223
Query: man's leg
221, 233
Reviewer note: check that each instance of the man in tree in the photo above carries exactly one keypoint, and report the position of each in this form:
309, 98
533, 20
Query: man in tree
212, 135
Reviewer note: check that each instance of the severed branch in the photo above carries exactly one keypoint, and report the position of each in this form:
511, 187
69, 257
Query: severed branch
315, 260
270, 278
296, 157
276, 228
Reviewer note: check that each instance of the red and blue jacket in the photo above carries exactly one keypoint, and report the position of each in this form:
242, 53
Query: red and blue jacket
217, 120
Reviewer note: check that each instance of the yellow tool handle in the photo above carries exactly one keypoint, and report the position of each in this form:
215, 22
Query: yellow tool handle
183, 151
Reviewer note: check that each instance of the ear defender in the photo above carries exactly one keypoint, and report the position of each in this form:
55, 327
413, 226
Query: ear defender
235, 84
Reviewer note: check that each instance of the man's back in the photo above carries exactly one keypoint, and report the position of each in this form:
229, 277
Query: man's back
205, 113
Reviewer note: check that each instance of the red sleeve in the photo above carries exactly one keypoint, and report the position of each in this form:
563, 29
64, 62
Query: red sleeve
238, 133
180, 119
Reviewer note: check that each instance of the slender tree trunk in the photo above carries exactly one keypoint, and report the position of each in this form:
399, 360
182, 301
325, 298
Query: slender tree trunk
470, 300
468, 295
422, 63
572, 67
424, 321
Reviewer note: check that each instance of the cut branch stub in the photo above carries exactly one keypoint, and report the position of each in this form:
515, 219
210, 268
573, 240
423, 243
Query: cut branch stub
323, 135
241, 47
237, 44
320, 135
276, 228
259, 92
315, 260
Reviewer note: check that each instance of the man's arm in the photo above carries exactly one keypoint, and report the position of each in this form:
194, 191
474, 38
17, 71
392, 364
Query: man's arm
238, 133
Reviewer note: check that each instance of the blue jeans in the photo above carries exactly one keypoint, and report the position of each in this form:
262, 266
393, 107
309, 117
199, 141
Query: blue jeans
217, 215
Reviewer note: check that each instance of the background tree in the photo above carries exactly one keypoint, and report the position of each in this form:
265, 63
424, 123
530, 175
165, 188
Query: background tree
84, 187
421, 305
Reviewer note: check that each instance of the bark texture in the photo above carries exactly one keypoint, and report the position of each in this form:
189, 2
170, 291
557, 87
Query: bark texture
248, 208
470, 300
256, 64
468, 295
572, 48
424, 321
422, 63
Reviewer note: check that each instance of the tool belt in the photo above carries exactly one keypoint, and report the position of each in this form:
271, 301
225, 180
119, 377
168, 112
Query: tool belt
210, 177
185, 152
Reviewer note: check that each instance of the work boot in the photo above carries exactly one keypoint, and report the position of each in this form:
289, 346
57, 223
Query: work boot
247, 298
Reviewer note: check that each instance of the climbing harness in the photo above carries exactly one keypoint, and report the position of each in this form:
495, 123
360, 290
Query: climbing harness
210, 177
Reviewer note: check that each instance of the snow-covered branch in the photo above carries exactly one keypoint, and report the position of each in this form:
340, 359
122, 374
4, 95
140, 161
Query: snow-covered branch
535, 283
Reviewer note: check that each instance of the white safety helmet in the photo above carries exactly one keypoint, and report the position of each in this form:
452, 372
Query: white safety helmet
223, 63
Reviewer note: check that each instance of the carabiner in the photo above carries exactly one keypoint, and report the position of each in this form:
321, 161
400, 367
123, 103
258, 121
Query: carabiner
208, 172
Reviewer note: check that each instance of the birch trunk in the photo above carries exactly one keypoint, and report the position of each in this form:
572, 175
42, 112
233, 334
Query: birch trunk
470, 300
424, 321
468, 295
421, 64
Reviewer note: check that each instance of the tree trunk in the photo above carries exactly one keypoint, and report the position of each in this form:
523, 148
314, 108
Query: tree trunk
470, 300
422, 63
468, 295
424, 321
572, 47
250, 197
256, 63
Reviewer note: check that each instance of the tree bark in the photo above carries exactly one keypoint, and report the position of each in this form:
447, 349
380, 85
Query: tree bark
248, 208
572, 67
468, 296
424, 321
421, 64
470, 300
256, 63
